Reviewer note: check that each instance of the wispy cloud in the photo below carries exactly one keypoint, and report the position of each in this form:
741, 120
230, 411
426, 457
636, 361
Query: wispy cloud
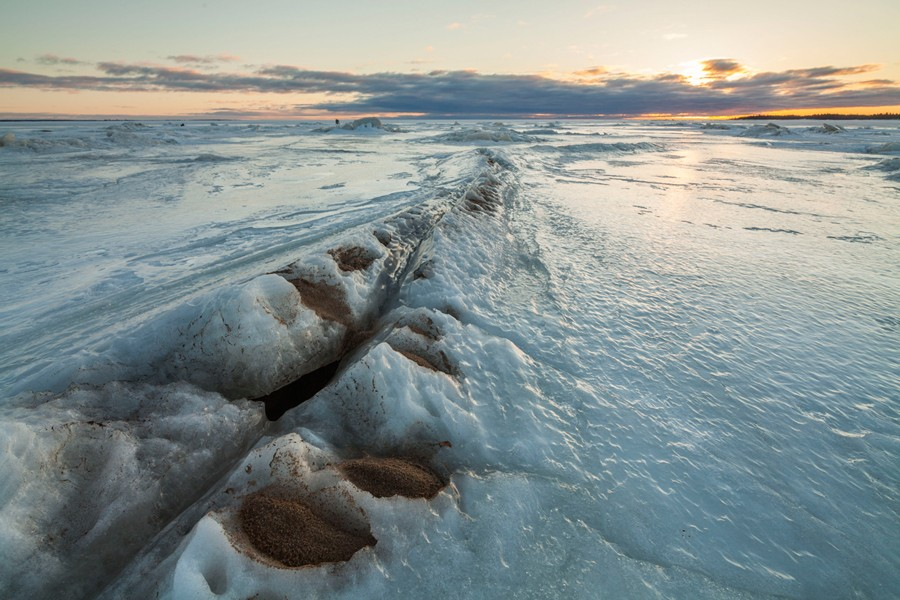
54, 60
191, 59
669, 37
591, 72
728, 89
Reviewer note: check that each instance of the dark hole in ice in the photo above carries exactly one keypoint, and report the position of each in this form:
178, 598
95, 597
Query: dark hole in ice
295, 393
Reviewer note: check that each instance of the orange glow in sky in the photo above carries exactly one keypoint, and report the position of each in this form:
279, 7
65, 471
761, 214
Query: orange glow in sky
525, 57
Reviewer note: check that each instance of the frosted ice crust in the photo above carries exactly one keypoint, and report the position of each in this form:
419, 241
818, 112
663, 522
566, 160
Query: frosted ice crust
324, 311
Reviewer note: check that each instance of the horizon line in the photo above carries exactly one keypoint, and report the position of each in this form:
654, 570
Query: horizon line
775, 115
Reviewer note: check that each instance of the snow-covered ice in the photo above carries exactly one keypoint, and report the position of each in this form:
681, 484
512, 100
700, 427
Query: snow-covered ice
646, 359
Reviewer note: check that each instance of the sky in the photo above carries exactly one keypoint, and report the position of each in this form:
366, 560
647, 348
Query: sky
461, 59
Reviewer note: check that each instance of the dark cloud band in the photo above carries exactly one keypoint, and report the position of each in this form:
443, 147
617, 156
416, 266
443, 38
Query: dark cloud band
467, 93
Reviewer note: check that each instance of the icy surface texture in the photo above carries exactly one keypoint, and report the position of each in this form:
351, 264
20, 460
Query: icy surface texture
91, 476
650, 360
767, 130
496, 132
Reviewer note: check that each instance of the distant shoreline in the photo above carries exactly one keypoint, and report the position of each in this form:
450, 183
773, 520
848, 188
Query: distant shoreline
123, 119
819, 117
757, 117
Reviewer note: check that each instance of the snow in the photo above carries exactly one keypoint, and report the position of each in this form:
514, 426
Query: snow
659, 366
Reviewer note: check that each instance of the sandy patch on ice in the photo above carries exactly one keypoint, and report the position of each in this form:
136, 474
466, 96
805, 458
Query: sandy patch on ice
352, 258
385, 477
290, 532
328, 301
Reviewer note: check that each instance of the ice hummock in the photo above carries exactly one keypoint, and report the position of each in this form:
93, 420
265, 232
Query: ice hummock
767, 130
827, 128
890, 166
363, 125
496, 132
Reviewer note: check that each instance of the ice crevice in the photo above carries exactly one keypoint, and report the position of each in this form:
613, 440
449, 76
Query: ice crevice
156, 443
384, 427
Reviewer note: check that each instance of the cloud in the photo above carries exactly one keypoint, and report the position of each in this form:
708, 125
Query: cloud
832, 71
54, 60
721, 67
454, 26
203, 60
591, 72
674, 36
591, 92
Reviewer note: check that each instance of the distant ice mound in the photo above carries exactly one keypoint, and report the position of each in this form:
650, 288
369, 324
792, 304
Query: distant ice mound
765, 131
364, 125
616, 148
128, 134
890, 166
715, 126
827, 128
497, 132
44, 145
540, 131
600, 148
886, 148
369, 123
136, 135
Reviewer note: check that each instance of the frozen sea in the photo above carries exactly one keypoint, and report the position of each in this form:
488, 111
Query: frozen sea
649, 359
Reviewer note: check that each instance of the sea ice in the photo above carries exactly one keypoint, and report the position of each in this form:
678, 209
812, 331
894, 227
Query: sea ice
827, 128
492, 133
767, 130
631, 380
92, 475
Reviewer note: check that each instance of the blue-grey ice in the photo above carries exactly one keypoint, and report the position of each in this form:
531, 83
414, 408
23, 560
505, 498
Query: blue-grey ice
650, 360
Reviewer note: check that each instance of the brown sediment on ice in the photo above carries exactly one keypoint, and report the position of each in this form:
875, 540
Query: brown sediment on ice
385, 477
352, 258
290, 532
328, 301
483, 198
426, 328
440, 363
